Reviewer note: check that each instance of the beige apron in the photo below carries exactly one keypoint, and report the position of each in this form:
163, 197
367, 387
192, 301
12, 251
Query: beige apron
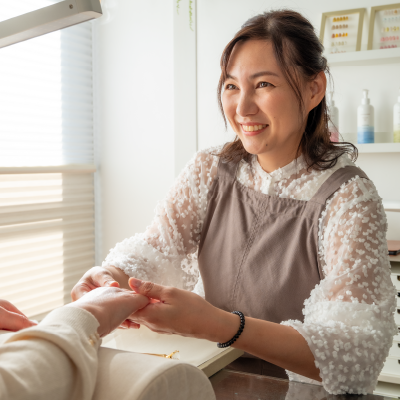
259, 253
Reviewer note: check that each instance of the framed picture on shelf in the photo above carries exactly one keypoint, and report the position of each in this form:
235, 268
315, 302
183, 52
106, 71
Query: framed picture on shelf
384, 27
341, 30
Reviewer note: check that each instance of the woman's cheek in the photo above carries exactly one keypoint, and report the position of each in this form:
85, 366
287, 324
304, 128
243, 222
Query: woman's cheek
228, 103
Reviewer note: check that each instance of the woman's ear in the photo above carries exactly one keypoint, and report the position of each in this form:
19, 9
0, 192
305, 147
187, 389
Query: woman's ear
317, 88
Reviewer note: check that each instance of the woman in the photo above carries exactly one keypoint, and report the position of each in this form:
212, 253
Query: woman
279, 218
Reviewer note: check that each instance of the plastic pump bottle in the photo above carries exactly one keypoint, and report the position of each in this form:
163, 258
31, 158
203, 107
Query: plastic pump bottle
333, 123
396, 121
365, 120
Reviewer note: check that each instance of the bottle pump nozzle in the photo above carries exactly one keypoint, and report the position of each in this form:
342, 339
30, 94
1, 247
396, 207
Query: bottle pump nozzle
365, 99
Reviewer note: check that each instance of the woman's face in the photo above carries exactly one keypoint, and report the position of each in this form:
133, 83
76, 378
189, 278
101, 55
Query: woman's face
258, 102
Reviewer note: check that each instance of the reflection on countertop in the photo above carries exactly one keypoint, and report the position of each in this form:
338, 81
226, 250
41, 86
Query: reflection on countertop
233, 385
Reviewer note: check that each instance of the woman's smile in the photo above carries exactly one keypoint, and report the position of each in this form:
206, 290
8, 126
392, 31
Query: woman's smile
253, 128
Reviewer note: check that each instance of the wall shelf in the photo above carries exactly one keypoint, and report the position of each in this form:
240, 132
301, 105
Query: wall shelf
391, 205
385, 377
389, 390
378, 147
395, 259
366, 57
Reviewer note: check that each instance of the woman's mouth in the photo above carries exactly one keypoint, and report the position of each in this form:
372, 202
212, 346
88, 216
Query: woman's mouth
253, 129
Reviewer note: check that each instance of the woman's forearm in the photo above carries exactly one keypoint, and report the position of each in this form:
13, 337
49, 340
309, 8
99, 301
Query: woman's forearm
278, 344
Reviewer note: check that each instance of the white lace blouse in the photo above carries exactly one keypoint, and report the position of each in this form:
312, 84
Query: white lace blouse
348, 318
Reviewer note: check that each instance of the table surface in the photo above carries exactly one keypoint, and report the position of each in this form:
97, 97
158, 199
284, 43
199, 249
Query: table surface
233, 385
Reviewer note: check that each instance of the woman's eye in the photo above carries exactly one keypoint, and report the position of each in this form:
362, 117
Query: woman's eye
264, 84
230, 86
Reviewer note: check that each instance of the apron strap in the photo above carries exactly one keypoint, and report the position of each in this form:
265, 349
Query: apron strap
333, 183
227, 170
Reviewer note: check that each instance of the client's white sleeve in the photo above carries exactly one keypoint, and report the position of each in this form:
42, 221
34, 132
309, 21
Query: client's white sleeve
349, 322
55, 360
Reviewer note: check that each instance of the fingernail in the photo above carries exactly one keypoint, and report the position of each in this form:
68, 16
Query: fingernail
135, 282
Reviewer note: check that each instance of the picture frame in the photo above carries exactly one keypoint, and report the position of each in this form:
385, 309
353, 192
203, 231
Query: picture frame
380, 20
333, 27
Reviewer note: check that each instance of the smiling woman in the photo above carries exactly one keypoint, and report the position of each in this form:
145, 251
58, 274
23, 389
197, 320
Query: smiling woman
293, 263
279, 54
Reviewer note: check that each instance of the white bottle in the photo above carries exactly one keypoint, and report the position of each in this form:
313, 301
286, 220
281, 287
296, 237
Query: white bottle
396, 121
365, 120
333, 123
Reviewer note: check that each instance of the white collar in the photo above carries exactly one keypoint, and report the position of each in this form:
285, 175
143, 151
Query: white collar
281, 173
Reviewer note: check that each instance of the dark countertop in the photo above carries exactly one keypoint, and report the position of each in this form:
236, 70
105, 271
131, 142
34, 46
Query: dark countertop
233, 385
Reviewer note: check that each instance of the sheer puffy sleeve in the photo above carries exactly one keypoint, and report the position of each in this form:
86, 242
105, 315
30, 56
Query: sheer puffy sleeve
349, 322
166, 252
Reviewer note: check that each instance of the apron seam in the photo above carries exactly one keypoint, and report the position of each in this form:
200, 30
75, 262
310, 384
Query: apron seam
210, 194
246, 252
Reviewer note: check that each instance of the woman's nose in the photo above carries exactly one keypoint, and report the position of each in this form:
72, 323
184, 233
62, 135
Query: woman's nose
246, 105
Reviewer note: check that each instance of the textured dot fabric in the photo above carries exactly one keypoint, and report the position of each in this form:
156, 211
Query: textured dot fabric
348, 317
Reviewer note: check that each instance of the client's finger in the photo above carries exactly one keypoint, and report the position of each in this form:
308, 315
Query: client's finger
79, 290
11, 321
102, 277
148, 289
10, 307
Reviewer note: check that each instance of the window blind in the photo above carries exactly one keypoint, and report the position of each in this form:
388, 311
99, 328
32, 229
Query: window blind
46, 164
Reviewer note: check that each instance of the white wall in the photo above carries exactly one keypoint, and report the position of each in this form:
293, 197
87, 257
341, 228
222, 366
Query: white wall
185, 83
219, 20
135, 127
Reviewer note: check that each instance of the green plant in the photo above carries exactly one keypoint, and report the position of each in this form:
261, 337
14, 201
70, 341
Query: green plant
190, 12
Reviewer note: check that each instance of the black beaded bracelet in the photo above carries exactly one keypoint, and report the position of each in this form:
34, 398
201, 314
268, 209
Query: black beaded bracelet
233, 340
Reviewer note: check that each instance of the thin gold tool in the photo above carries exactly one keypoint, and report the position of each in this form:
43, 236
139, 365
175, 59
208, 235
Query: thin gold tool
171, 356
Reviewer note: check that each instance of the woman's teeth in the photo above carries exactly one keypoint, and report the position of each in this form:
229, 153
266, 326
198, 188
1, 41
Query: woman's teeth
253, 128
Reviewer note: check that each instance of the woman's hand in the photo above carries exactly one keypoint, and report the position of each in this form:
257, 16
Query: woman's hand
99, 277
111, 306
11, 319
182, 312
187, 314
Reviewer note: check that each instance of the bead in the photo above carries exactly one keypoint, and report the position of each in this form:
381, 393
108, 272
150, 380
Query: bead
242, 322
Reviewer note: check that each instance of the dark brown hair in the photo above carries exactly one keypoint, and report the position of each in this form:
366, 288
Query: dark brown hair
298, 52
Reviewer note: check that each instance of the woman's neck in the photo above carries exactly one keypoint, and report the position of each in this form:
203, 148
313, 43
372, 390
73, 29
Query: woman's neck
270, 162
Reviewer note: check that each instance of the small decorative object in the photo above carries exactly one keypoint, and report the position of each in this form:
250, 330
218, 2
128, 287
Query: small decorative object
340, 24
173, 356
384, 27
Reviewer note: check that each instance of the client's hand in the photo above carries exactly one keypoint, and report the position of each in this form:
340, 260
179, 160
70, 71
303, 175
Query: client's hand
97, 277
110, 306
177, 311
11, 319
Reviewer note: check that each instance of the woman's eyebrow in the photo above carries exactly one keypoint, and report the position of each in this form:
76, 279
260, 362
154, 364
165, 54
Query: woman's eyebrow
256, 75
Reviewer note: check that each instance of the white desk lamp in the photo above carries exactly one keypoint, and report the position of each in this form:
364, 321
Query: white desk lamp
48, 19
